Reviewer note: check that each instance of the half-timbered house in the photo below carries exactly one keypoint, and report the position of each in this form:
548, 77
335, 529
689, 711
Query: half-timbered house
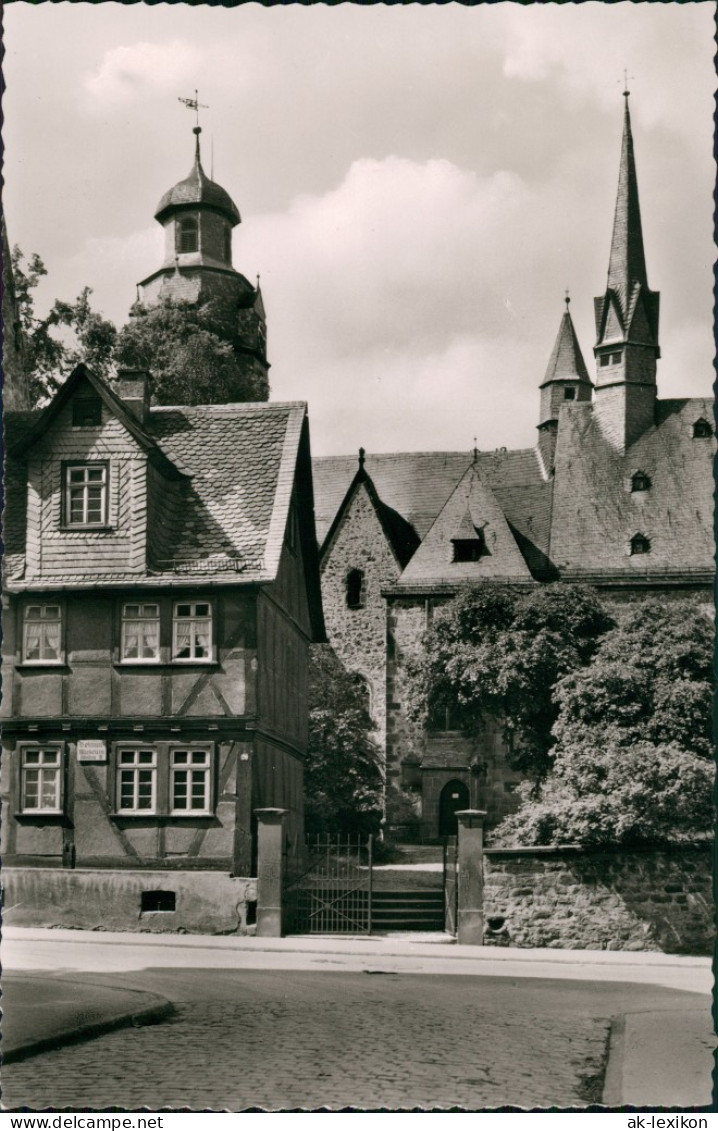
161, 591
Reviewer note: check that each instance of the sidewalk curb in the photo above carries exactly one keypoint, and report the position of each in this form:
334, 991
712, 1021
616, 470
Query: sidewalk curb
154, 1010
384, 946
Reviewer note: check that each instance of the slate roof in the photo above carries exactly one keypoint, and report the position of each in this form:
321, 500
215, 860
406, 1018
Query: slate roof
197, 188
577, 524
228, 505
595, 512
417, 485
472, 506
240, 459
566, 360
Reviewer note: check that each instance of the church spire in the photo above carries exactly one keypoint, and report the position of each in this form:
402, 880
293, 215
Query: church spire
626, 317
627, 262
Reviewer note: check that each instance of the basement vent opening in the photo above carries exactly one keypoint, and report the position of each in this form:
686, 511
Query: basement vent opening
157, 901
495, 924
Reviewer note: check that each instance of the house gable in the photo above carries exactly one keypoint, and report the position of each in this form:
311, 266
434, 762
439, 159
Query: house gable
472, 507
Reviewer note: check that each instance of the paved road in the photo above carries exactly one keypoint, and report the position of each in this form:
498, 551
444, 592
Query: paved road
280, 1039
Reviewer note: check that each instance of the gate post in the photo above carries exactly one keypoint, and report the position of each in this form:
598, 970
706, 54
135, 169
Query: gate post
470, 914
270, 869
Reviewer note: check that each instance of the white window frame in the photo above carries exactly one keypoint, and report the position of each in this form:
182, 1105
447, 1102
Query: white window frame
192, 619
49, 765
134, 769
84, 486
130, 623
44, 619
195, 771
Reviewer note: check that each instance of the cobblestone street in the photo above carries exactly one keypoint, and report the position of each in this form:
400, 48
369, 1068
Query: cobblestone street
293, 1039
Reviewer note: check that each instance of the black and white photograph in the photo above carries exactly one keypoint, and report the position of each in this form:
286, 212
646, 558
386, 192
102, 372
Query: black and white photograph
358, 558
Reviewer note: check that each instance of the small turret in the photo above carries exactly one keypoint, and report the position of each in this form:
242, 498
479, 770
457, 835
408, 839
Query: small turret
565, 382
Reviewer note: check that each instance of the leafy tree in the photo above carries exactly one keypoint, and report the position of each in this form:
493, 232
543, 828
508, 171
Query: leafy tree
71, 332
632, 759
343, 780
496, 652
191, 352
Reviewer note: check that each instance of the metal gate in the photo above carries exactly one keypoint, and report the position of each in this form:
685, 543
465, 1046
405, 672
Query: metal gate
329, 891
451, 883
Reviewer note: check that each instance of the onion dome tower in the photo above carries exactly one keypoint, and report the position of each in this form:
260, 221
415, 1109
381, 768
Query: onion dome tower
198, 217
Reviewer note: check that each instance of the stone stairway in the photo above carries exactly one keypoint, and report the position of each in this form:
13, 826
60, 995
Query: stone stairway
414, 910
408, 893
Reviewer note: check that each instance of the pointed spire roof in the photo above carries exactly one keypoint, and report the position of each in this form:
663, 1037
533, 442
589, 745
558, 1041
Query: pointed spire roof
627, 262
197, 188
627, 297
566, 361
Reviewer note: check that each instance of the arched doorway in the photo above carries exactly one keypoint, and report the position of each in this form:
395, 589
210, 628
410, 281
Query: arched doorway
454, 797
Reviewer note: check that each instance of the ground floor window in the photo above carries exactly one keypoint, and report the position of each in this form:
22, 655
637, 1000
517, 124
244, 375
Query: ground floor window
165, 779
41, 785
190, 772
137, 780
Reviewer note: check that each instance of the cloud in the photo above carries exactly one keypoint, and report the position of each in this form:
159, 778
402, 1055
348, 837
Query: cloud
584, 50
127, 74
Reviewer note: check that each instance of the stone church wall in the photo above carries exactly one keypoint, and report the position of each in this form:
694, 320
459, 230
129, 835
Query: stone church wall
610, 899
358, 635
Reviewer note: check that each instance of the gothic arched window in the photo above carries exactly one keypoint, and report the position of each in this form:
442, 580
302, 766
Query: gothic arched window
702, 429
355, 589
640, 544
188, 234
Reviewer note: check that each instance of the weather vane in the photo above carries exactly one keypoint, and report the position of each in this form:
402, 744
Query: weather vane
567, 299
194, 104
626, 77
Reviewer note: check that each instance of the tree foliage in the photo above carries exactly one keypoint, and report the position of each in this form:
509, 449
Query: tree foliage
632, 758
191, 352
71, 332
495, 652
343, 781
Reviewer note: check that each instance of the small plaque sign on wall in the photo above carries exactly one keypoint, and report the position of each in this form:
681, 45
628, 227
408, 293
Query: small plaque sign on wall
91, 750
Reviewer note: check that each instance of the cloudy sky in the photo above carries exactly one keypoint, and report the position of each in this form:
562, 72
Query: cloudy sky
418, 186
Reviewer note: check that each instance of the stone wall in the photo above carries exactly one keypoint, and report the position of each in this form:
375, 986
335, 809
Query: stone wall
358, 635
208, 903
620, 899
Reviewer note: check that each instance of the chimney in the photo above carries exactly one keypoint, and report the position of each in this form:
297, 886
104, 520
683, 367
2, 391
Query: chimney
132, 386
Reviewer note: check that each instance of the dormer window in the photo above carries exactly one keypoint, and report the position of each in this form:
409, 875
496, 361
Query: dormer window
569, 393
640, 544
187, 234
85, 494
86, 412
467, 549
640, 481
702, 429
355, 589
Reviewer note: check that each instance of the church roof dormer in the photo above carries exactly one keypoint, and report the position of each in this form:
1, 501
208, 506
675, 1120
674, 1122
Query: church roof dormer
196, 189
